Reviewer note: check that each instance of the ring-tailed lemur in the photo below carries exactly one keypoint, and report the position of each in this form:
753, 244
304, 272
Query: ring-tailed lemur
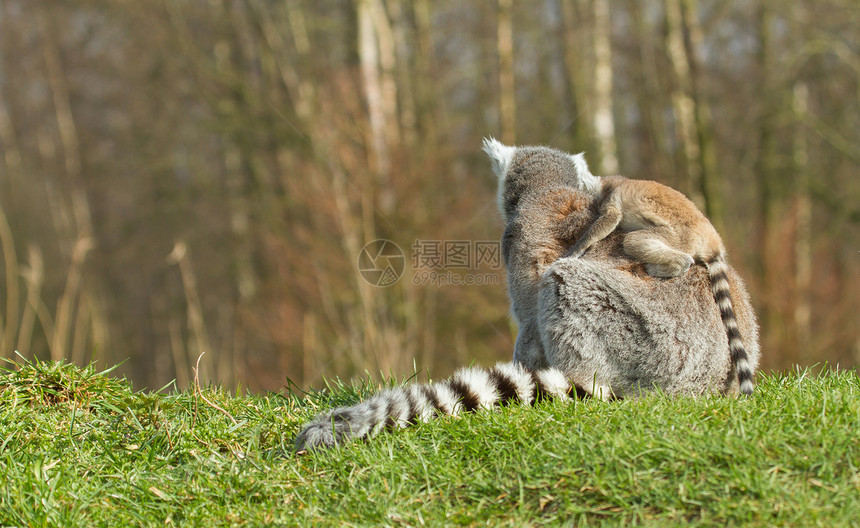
665, 231
469, 389
537, 196
602, 326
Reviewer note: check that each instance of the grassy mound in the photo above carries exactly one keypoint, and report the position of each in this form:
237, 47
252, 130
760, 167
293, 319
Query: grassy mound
79, 448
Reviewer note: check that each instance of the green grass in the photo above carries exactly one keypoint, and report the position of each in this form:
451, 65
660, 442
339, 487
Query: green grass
79, 448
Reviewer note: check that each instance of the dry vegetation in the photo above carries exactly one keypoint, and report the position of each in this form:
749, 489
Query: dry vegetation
180, 177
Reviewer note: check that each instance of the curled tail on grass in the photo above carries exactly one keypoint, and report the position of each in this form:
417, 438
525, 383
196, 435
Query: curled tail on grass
718, 274
467, 390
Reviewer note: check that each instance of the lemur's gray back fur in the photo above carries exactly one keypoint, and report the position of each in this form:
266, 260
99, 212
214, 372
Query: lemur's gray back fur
537, 190
607, 324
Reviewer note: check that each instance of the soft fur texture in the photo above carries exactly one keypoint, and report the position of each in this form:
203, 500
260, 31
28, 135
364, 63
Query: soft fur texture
668, 234
537, 193
627, 334
468, 390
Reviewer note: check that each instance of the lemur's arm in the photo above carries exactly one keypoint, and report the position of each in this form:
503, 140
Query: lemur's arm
610, 217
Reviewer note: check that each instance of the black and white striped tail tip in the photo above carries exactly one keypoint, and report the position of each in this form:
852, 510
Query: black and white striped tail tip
718, 273
467, 390
745, 378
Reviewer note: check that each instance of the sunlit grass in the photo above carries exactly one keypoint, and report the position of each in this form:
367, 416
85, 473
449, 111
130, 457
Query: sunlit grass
79, 448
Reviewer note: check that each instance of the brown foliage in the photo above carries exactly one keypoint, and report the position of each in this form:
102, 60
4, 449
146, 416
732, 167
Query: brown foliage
187, 177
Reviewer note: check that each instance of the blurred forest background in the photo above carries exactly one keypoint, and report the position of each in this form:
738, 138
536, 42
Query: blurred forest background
180, 176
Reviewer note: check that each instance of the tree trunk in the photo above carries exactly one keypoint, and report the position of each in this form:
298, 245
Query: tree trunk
604, 123
405, 75
706, 163
507, 90
376, 53
9, 324
572, 44
368, 53
768, 185
803, 227
682, 101
651, 102
388, 67
803, 247
430, 109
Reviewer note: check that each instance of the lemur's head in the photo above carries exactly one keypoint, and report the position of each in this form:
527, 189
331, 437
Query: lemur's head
521, 170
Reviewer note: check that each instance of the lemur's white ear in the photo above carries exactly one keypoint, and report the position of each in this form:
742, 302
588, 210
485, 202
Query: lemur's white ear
500, 156
580, 164
588, 181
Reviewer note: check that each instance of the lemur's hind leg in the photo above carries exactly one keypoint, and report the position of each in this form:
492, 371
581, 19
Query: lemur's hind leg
660, 259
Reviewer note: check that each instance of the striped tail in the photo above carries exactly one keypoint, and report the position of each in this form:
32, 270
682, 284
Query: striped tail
467, 390
718, 273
